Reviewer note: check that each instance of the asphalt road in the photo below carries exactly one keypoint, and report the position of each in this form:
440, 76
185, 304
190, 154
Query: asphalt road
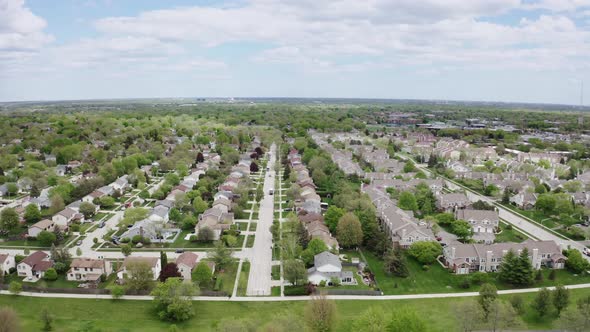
259, 280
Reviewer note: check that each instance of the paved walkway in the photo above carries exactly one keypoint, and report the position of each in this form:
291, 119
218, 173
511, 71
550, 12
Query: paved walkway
297, 298
259, 280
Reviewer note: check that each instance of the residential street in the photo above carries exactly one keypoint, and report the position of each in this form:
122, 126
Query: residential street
259, 280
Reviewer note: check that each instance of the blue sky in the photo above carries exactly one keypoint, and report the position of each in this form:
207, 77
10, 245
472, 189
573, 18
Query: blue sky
490, 50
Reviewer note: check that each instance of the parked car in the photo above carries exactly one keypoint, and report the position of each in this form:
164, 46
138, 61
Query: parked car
179, 251
79, 242
101, 224
586, 251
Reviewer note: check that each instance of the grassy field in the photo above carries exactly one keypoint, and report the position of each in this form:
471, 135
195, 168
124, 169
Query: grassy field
108, 315
276, 272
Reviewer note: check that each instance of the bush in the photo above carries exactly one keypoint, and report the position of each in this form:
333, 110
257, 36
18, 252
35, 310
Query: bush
15, 287
425, 267
465, 284
75, 227
125, 240
323, 283
117, 292
50, 274
218, 284
478, 278
295, 290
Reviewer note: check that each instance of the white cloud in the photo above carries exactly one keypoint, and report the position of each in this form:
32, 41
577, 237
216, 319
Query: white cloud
20, 29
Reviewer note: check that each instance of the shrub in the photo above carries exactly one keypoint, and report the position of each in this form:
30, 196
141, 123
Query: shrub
117, 292
125, 240
218, 284
50, 275
465, 284
425, 267
478, 278
295, 290
15, 287
323, 283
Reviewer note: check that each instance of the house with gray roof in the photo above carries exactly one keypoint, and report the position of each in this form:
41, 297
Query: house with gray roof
216, 220
452, 201
326, 267
467, 258
484, 223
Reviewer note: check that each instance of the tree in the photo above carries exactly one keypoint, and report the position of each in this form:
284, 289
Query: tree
139, 276
117, 292
575, 262
12, 189
314, 247
471, 309
173, 300
516, 270
573, 320
221, 255
517, 303
200, 205
295, 272
253, 167
32, 213
201, 273
15, 287
61, 257
349, 231
170, 270
163, 258
47, 320
487, 296
106, 202
542, 302
320, 314
394, 262
331, 217
57, 204
371, 320
561, 298
462, 229
205, 234
409, 167
407, 321
502, 316
425, 252
126, 250
9, 321
545, 203
46, 239
50, 274
8, 219
407, 201
87, 209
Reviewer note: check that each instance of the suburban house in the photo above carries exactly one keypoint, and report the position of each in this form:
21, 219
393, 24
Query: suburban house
468, 258
66, 216
216, 220
452, 201
484, 223
186, 262
86, 269
524, 200
326, 267
121, 184
7, 262
38, 227
152, 262
34, 266
401, 227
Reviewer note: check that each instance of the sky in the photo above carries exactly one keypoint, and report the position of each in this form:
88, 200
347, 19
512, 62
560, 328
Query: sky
481, 50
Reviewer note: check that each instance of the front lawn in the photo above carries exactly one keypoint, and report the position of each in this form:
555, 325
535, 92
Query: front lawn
276, 272
509, 234
243, 281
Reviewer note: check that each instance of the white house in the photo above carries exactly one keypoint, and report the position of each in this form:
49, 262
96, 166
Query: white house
152, 262
186, 262
43, 225
34, 266
86, 269
327, 266
7, 262
66, 216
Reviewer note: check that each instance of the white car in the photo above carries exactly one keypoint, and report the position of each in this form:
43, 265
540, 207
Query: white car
586, 251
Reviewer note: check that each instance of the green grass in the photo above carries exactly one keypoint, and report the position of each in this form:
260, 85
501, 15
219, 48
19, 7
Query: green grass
180, 242
228, 277
123, 316
275, 291
253, 226
509, 235
243, 281
243, 226
250, 242
276, 272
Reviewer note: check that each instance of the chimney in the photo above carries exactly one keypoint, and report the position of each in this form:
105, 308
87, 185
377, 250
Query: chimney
453, 252
488, 265
536, 265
